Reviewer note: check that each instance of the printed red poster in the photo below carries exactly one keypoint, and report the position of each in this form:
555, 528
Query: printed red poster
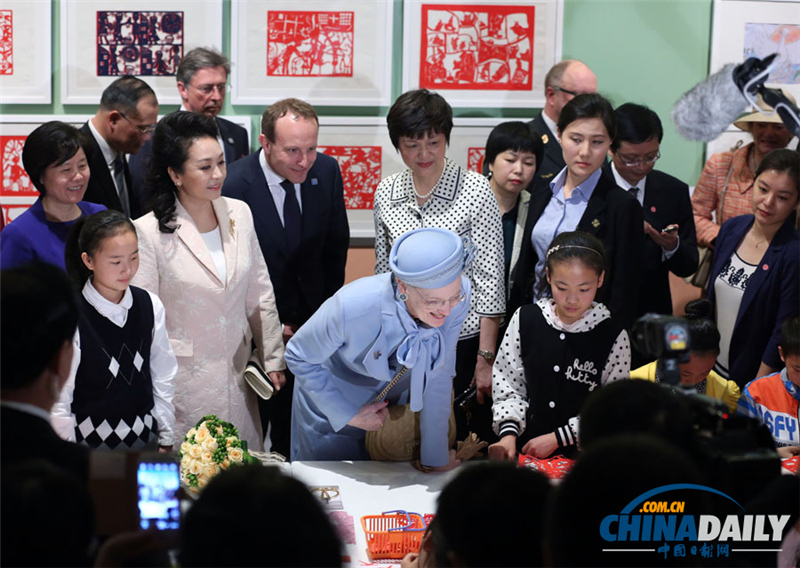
477, 47
15, 180
361, 172
310, 44
11, 212
6, 42
139, 43
475, 158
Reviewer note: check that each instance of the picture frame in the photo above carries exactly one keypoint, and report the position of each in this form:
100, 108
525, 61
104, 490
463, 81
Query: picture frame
146, 38
275, 56
366, 155
482, 54
25, 52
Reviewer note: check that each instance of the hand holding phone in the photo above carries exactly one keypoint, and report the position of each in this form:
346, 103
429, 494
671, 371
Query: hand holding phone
670, 229
158, 483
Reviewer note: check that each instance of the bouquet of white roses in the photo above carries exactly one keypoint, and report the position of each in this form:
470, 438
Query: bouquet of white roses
211, 446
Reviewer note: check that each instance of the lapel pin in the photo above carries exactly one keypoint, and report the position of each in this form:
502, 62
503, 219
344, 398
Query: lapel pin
231, 228
377, 355
596, 223
314, 181
765, 266
230, 141
545, 139
652, 209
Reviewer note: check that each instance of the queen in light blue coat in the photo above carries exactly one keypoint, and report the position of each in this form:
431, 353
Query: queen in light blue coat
353, 346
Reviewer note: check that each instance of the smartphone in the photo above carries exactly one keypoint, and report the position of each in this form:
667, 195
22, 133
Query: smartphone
670, 229
158, 484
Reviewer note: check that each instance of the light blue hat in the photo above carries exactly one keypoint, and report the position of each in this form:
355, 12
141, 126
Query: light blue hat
430, 257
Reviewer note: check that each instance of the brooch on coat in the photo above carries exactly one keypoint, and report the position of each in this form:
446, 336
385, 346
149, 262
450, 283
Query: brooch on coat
231, 229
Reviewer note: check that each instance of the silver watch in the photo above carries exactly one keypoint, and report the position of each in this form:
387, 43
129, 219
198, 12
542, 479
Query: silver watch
488, 355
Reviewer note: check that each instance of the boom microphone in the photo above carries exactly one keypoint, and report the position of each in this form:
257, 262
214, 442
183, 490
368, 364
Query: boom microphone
710, 107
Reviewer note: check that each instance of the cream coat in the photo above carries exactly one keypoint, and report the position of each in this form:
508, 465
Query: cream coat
211, 323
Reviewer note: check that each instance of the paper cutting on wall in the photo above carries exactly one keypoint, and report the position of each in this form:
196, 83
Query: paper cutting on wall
11, 212
6, 42
477, 47
761, 40
475, 158
361, 172
15, 180
139, 43
310, 44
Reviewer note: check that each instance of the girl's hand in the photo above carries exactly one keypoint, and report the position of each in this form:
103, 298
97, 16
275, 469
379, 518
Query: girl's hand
370, 416
787, 452
278, 379
410, 560
164, 449
483, 379
505, 449
541, 446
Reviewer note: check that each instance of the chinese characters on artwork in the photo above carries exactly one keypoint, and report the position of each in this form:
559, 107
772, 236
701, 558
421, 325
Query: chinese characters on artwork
477, 47
361, 172
6, 42
310, 44
139, 43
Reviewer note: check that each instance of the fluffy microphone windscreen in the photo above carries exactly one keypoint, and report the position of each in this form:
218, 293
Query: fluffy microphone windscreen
710, 107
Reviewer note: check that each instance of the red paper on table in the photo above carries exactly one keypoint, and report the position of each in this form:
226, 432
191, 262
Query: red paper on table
791, 464
554, 468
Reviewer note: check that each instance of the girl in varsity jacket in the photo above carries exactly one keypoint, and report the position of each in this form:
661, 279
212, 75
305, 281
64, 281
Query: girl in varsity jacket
555, 353
119, 394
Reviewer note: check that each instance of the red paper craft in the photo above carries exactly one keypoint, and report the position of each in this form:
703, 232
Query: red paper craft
6, 42
475, 158
361, 172
791, 464
554, 468
11, 212
310, 44
139, 43
345, 526
477, 47
15, 181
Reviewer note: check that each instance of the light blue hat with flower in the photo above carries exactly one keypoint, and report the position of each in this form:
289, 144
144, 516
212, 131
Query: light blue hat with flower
430, 257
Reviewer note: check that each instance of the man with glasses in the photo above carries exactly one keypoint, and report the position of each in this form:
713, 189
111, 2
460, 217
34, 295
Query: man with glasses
124, 122
671, 243
564, 81
202, 80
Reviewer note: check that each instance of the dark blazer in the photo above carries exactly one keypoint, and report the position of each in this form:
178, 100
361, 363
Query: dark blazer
771, 297
666, 201
553, 161
101, 185
303, 281
235, 143
25, 437
613, 216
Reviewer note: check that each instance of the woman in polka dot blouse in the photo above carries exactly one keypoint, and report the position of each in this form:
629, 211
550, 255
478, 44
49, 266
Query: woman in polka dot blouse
555, 353
436, 192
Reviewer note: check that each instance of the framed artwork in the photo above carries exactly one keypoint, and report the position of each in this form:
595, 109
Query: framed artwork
25, 47
365, 154
478, 53
17, 193
143, 38
325, 52
743, 29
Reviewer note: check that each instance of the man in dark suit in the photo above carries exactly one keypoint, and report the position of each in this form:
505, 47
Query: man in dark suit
202, 79
297, 198
123, 123
671, 242
40, 315
562, 83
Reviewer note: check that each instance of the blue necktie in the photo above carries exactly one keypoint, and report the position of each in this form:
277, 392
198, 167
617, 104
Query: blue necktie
292, 219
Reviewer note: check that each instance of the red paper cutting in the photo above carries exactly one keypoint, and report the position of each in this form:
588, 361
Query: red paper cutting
791, 464
6, 42
11, 212
310, 44
554, 468
475, 158
361, 172
477, 47
139, 43
15, 180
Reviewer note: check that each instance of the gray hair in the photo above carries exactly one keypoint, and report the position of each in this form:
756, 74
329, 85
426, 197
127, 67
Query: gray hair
201, 58
124, 94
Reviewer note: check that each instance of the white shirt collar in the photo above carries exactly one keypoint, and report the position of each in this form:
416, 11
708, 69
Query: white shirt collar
624, 184
551, 125
116, 313
273, 179
27, 408
587, 322
109, 154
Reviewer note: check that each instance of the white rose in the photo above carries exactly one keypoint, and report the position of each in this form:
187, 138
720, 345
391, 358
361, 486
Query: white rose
185, 447
196, 467
191, 432
220, 431
210, 471
202, 481
196, 452
186, 461
229, 440
226, 463
236, 454
210, 444
208, 457
202, 434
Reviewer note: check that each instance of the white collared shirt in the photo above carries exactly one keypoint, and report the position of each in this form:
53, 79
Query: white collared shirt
163, 366
109, 154
551, 125
275, 188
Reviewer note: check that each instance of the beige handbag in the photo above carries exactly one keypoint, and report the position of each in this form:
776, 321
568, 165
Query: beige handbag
399, 437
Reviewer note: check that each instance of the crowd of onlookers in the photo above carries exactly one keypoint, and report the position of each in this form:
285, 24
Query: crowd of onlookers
194, 260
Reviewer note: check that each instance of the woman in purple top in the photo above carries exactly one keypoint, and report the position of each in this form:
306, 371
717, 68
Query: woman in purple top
55, 161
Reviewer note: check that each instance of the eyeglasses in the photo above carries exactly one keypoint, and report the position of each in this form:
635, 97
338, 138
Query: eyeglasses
452, 302
221, 88
143, 130
573, 93
631, 163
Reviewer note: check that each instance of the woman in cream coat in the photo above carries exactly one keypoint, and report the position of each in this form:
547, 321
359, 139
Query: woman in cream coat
199, 253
